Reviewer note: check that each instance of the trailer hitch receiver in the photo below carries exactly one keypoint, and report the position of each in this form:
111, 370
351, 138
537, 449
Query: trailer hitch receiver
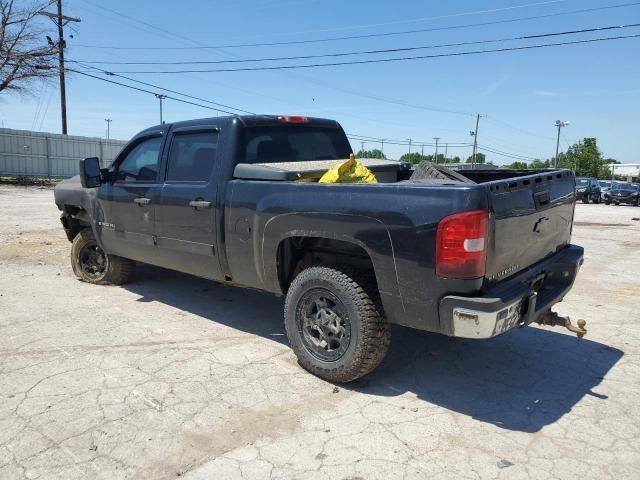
552, 319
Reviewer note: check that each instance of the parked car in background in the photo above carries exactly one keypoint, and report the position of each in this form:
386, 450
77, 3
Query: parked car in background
605, 186
587, 189
623, 193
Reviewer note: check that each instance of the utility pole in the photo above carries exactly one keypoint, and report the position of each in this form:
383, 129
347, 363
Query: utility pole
475, 142
559, 124
160, 97
422, 153
60, 21
108, 120
362, 147
446, 149
63, 92
409, 145
382, 146
437, 139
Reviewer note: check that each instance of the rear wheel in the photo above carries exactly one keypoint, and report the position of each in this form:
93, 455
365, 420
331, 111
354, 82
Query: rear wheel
607, 202
335, 324
92, 265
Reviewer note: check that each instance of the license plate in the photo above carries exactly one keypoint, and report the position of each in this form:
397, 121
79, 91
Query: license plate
509, 317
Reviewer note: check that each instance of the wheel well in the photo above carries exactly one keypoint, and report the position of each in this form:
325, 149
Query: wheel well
297, 253
73, 220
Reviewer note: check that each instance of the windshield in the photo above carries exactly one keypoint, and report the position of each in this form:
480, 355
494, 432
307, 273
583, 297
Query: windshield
605, 184
582, 182
294, 143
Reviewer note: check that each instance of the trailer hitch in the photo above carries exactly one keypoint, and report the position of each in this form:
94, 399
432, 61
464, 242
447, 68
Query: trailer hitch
552, 319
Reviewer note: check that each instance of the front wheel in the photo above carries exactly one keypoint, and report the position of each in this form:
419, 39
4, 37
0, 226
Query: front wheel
585, 198
335, 324
596, 200
92, 265
607, 202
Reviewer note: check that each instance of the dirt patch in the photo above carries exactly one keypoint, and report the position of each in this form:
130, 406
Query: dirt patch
629, 292
28, 181
43, 247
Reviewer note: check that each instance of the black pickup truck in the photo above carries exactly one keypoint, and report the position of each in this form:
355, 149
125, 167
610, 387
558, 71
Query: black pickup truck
236, 200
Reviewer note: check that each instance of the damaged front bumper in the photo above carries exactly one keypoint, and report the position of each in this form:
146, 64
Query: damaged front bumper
518, 301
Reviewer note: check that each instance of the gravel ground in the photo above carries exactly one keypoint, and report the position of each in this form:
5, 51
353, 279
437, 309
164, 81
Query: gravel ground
172, 376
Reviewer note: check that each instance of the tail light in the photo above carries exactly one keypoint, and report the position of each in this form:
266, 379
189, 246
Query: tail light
461, 245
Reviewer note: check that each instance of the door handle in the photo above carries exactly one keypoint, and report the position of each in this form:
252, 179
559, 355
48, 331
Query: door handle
199, 204
142, 201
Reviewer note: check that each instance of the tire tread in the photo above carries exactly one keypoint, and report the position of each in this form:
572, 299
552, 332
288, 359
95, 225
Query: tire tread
119, 271
375, 333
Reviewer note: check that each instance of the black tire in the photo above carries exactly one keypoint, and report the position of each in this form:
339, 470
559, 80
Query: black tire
607, 202
356, 332
90, 264
585, 198
597, 199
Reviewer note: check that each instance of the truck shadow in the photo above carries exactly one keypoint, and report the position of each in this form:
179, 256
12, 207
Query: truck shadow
522, 380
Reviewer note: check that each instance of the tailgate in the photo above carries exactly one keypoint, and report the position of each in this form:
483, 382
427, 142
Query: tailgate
531, 219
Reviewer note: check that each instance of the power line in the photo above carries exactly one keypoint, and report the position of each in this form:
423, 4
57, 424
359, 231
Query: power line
366, 52
496, 151
360, 138
355, 37
148, 91
165, 89
392, 141
384, 60
428, 19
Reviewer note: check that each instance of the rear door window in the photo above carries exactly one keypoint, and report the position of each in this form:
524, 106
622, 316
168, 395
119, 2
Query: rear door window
192, 157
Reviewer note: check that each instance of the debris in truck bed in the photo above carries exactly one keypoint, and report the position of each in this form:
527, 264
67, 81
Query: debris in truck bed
429, 172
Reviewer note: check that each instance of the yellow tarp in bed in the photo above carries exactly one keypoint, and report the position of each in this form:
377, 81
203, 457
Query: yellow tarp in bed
350, 171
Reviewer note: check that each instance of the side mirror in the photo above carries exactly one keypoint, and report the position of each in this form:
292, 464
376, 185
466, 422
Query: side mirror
90, 175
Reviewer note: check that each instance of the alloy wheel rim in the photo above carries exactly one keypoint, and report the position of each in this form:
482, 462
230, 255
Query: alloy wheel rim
323, 325
93, 261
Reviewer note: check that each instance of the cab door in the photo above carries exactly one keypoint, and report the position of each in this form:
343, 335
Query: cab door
186, 210
126, 206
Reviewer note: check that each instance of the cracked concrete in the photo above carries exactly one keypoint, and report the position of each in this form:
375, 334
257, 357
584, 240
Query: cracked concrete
175, 377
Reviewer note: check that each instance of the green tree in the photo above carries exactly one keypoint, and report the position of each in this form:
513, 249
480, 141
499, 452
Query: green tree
539, 164
480, 158
375, 153
585, 159
414, 157
518, 166
605, 171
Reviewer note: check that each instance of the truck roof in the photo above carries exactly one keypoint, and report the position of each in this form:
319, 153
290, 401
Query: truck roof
247, 121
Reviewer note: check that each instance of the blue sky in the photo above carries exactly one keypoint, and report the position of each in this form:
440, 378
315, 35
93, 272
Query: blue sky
520, 94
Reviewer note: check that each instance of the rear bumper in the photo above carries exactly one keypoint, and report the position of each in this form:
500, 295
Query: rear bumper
517, 301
